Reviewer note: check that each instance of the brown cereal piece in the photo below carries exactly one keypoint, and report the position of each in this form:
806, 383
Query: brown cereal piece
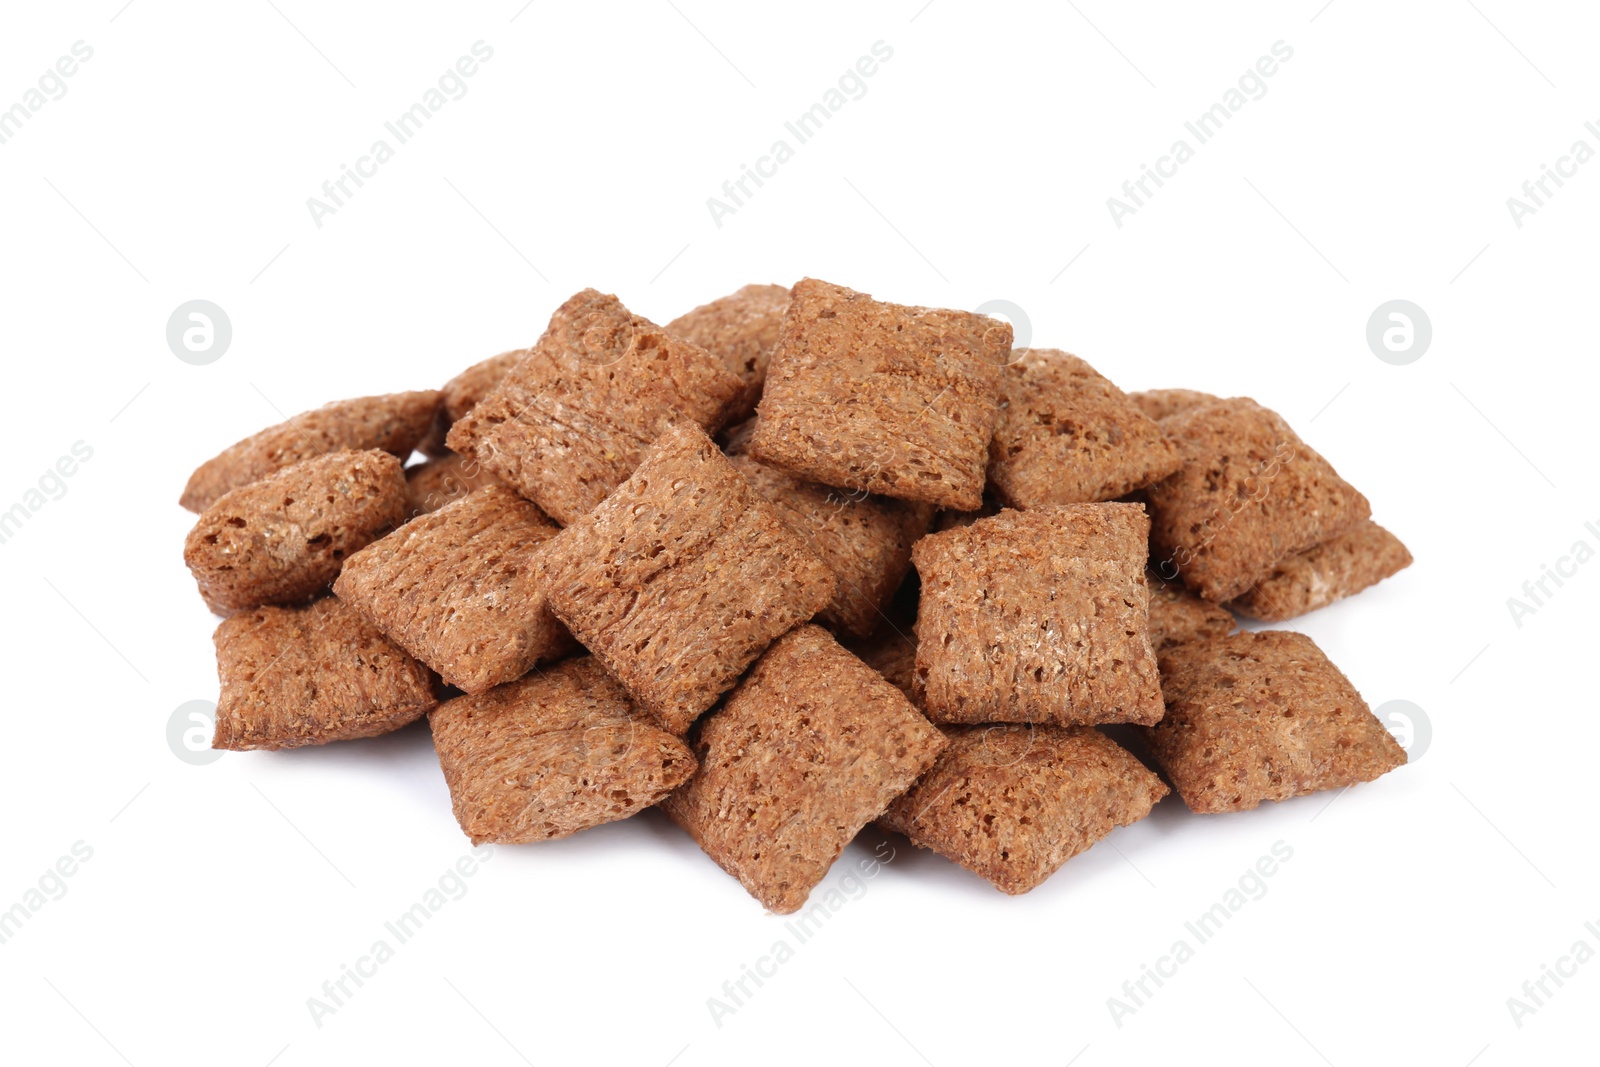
1263, 716
457, 589
437, 482
1331, 571
1160, 403
282, 539
1038, 616
310, 675
1250, 495
555, 752
865, 540
462, 393
681, 577
882, 398
740, 329
1066, 435
393, 423
810, 747
1014, 803
1177, 615
570, 422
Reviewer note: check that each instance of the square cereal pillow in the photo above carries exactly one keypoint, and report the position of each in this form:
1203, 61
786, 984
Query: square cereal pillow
1317, 577
740, 329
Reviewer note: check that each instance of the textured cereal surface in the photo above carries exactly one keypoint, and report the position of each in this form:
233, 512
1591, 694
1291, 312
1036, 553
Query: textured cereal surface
282, 539
456, 588
1159, 403
741, 329
1038, 616
392, 423
1263, 716
1250, 495
462, 393
1014, 803
1177, 615
557, 751
681, 578
1066, 435
310, 675
569, 423
882, 398
810, 747
1331, 571
865, 540
433, 484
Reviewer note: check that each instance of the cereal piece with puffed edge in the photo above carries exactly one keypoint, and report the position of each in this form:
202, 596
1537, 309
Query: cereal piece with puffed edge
462, 393
810, 747
555, 752
433, 484
1066, 435
865, 540
569, 423
1159, 403
282, 539
457, 589
1014, 803
681, 577
882, 398
393, 423
1331, 571
1250, 495
741, 329
1177, 615
1038, 616
310, 675
1263, 716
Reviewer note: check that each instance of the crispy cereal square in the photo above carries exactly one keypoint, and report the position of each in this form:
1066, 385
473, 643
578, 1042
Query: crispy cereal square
1160, 403
810, 747
1331, 571
1263, 716
456, 589
682, 577
1013, 803
1038, 616
568, 424
741, 329
1066, 435
432, 484
883, 398
1177, 615
557, 751
462, 393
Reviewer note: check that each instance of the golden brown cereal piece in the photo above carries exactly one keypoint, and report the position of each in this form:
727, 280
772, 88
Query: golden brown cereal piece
1331, 571
810, 747
282, 539
437, 482
681, 577
462, 393
882, 398
1066, 435
865, 540
393, 423
1038, 616
558, 751
1159, 403
741, 329
1263, 716
569, 423
1250, 495
307, 676
1177, 615
1013, 803
456, 588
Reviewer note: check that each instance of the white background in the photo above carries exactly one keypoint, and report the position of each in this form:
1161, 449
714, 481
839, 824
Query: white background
976, 166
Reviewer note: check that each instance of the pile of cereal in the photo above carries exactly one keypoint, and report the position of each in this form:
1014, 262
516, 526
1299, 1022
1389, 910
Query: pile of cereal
798, 561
